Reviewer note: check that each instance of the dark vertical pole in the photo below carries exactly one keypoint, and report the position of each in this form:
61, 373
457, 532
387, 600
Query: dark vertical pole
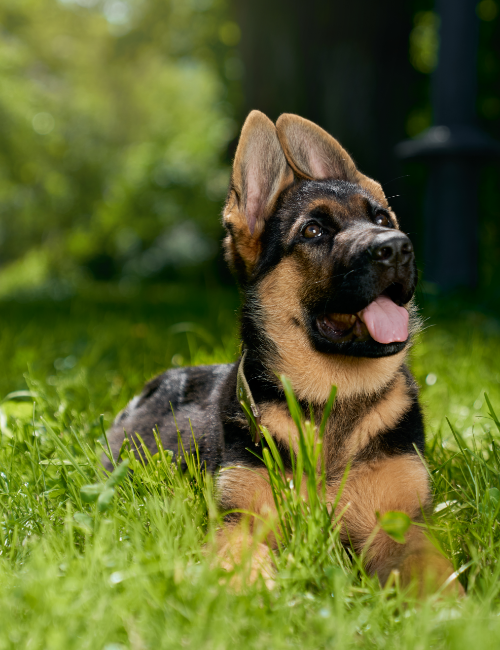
454, 149
455, 78
451, 223
451, 204
343, 65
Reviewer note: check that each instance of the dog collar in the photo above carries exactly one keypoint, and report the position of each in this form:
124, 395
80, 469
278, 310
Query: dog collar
247, 402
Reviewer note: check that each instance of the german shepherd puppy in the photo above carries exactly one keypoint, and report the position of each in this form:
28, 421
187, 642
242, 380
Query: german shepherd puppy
327, 280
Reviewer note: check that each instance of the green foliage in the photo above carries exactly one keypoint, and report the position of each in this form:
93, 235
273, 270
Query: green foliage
309, 547
103, 493
424, 41
140, 572
114, 124
395, 524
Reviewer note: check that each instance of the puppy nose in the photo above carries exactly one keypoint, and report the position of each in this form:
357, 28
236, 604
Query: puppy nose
392, 250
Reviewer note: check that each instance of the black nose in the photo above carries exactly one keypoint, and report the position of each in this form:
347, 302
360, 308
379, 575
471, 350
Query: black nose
395, 249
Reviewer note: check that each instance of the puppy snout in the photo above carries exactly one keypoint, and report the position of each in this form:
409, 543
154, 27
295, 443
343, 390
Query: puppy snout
393, 250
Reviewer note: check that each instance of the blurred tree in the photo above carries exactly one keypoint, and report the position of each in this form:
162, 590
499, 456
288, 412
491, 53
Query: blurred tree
114, 119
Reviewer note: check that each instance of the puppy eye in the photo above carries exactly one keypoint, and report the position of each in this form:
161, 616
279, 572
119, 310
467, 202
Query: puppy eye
312, 230
382, 219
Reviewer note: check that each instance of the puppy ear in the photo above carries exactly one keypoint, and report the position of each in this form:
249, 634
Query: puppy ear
260, 174
312, 152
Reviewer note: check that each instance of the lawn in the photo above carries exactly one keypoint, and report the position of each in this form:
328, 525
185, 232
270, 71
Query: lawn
127, 562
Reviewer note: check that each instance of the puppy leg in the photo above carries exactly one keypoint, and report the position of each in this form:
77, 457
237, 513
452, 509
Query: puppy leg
397, 483
248, 534
236, 547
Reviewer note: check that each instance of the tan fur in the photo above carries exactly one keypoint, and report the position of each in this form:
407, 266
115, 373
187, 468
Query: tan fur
395, 483
377, 192
399, 483
244, 246
425, 569
248, 488
313, 373
385, 414
278, 421
251, 491
236, 546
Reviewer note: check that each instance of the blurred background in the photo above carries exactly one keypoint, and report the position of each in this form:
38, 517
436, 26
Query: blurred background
119, 120
118, 123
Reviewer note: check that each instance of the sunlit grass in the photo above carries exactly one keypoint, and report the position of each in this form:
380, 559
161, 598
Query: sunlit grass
86, 562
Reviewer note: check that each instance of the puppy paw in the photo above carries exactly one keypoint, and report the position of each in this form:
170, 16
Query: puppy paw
247, 562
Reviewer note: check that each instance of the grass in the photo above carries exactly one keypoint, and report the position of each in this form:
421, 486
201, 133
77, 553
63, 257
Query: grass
126, 562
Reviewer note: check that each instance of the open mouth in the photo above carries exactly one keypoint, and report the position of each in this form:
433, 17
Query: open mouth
384, 320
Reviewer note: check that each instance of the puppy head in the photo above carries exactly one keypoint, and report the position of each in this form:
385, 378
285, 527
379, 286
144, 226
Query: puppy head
315, 244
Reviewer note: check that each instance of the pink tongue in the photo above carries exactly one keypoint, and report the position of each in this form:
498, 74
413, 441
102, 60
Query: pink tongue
386, 322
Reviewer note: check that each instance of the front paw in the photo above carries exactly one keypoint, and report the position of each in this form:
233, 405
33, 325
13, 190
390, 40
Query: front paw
427, 573
247, 561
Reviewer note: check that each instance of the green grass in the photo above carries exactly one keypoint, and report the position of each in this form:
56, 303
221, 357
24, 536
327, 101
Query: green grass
128, 563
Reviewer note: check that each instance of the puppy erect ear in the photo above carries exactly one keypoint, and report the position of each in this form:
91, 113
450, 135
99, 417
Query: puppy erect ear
312, 152
314, 155
260, 174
